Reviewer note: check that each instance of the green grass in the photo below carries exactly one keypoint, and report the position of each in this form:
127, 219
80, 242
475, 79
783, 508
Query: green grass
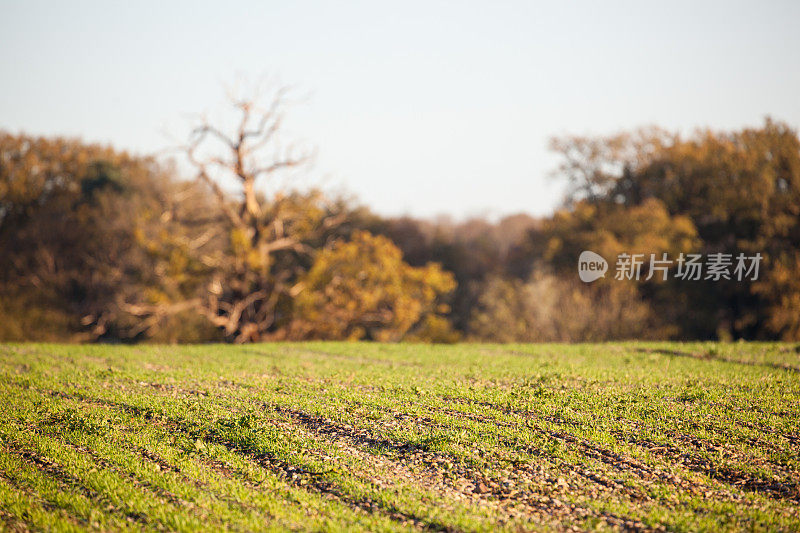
333, 436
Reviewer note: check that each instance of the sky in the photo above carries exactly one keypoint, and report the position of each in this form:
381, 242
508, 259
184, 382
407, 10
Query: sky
419, 108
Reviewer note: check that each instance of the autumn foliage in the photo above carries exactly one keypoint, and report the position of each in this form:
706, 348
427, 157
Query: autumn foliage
362, 289
97, 244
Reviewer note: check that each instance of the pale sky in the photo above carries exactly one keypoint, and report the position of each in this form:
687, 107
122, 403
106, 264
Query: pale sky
414, 107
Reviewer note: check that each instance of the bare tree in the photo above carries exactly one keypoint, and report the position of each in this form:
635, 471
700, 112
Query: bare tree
267, 234
268, 239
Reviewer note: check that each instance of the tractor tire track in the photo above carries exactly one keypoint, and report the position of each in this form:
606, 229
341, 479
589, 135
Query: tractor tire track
772, 487
68, 482
485, 491
305, 479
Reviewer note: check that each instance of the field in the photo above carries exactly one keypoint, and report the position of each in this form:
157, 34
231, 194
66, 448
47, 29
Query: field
332, 436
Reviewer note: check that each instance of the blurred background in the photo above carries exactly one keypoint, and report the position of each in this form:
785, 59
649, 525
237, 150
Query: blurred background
428, 171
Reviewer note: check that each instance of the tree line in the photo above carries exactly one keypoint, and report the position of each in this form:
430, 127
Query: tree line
100, 245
